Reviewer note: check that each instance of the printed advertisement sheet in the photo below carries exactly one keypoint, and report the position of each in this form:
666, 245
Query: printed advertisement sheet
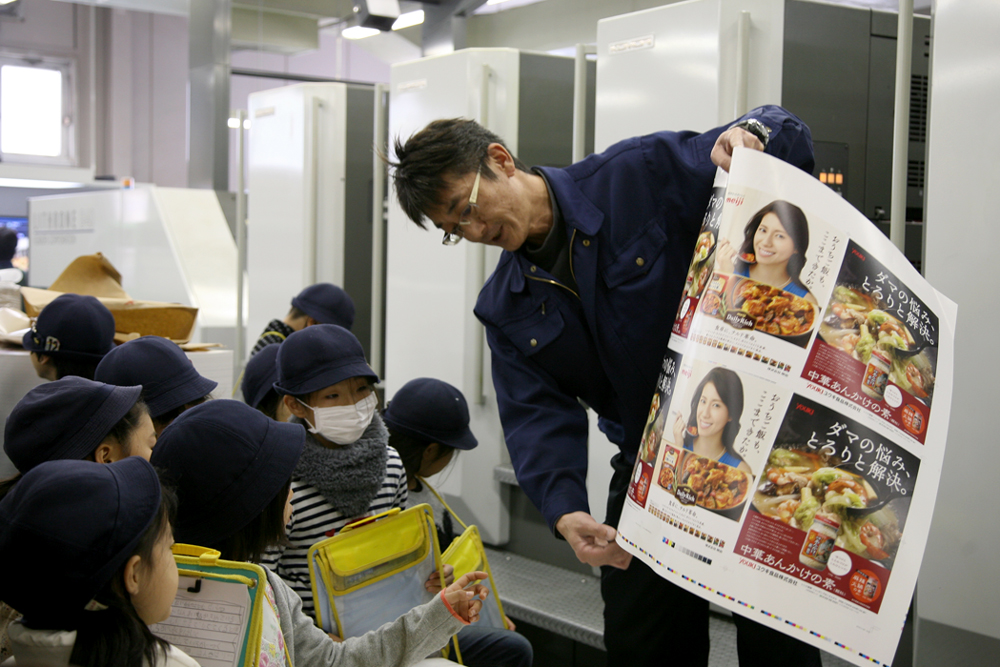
791, 458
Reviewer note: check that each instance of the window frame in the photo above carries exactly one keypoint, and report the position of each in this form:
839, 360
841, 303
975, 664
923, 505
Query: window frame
67, 67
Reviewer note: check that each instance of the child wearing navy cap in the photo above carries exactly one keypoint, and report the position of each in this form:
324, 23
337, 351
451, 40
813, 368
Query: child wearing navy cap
233, 468
428, 422
258, 390
170, 383
70, 337
85, 549
76, 419
347, 470
322, 303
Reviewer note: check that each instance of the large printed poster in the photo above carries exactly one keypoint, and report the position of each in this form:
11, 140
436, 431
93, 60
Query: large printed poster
790, 461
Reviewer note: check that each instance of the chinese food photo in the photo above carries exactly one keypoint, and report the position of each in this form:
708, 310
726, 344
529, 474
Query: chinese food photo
862, 326
798, 485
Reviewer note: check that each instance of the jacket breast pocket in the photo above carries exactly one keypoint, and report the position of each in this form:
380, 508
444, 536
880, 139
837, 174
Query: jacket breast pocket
535, 332
637, 258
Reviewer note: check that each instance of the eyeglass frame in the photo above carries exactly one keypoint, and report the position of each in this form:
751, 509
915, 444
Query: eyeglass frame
454, 236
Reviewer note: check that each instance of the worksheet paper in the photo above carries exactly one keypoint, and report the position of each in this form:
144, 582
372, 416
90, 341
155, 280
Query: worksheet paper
208, 622
791, 457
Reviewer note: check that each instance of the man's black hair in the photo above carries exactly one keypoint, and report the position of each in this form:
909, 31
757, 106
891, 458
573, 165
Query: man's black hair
445, 148
8, 243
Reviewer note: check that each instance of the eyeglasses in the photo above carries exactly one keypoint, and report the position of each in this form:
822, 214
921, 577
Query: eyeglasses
456, 235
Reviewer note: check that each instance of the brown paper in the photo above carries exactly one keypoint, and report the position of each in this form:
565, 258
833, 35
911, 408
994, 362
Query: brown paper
94, 275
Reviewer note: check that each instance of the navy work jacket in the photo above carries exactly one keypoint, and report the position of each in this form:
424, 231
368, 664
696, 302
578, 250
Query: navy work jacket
632, 215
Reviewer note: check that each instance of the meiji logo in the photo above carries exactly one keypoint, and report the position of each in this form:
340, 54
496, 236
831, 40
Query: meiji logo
735, 201
51, 344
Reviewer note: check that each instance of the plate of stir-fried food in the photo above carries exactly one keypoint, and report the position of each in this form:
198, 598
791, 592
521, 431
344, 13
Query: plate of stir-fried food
776, 311
716, 486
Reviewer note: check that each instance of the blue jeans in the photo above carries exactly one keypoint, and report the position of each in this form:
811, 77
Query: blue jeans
483, 646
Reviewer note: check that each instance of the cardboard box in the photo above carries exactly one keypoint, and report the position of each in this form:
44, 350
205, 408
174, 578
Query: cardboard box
95, 276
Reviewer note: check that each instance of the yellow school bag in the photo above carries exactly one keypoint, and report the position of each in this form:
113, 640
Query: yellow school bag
466, 553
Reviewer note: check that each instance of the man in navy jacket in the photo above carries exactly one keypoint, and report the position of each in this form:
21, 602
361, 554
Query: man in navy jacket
579, 310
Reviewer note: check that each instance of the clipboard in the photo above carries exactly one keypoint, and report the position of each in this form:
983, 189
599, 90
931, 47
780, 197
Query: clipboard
224, 613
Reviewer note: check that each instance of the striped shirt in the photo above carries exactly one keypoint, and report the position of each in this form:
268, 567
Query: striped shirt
314, 519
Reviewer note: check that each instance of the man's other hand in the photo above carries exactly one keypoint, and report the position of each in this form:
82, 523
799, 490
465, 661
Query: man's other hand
593, 542
734, 137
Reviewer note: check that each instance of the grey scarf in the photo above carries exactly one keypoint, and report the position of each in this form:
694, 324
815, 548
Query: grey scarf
350, 476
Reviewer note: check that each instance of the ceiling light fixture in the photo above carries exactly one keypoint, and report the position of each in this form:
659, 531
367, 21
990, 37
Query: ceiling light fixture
409, 19
359, 32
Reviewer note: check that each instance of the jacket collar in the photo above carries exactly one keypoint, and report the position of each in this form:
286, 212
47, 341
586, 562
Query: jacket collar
578, 211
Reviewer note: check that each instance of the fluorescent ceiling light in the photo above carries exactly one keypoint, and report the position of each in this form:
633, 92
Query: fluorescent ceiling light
359, 32
233, 123
409, 19
34, 183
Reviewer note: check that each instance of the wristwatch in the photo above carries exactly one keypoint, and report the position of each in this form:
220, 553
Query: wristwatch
756, 128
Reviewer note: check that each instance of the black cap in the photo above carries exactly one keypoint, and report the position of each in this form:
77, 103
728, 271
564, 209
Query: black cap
327, 304
227, 462
260, 374
66, 528
72, 326
318, 357
432, 410
65, 419
168, 378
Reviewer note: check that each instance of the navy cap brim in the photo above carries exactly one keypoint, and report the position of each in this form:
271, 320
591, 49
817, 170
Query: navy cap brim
464, 440
325, 376
28, 341
187, 392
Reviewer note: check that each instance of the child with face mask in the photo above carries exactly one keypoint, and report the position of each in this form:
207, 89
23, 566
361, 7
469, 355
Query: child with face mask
347, 471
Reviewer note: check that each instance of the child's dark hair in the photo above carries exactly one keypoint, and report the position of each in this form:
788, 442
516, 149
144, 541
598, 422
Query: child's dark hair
117, 635
266, 530
162, 421
78, 367
269, 404
122, 431
794, 221
411, 451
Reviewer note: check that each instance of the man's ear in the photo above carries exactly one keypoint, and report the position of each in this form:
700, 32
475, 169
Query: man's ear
132, 575
502, 157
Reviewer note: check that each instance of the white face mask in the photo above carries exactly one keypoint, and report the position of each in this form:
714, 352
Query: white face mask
343, 424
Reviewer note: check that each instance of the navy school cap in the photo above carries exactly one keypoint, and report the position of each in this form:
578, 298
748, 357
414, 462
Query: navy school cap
318, 357
227, 462
65, 419
65, 530
168, 378
327, 304
260, 374
72, 326
431, 410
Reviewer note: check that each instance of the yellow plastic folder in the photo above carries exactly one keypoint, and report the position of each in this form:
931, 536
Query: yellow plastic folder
224, 612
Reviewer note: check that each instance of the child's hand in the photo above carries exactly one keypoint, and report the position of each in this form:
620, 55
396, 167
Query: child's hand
467, 603
433, 583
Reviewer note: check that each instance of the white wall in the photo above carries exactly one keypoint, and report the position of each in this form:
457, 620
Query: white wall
960, 579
